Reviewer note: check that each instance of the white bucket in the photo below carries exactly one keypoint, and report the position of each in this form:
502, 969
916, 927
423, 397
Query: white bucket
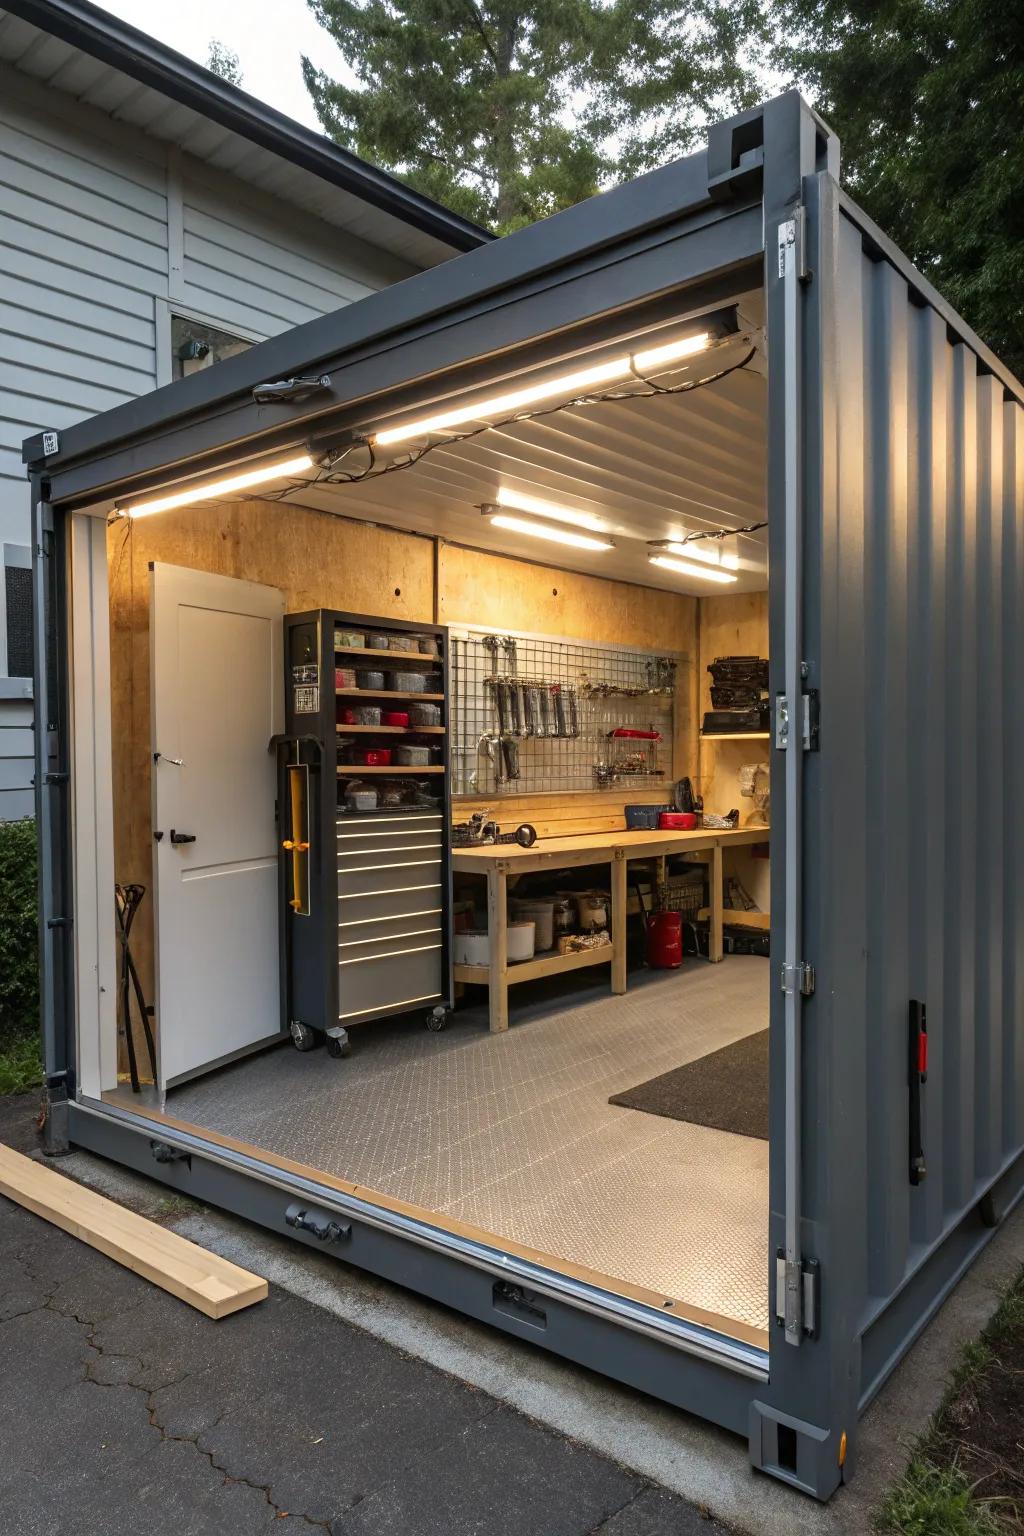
542, 913
474, 946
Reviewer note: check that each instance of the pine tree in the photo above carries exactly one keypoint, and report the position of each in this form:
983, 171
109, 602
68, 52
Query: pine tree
508, 111
927, 97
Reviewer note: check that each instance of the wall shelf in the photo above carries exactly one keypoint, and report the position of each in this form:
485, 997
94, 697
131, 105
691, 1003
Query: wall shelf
359, 770
391, 730
367, 653
386, 693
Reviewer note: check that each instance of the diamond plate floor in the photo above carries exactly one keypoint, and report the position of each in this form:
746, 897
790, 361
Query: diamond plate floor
514, 1132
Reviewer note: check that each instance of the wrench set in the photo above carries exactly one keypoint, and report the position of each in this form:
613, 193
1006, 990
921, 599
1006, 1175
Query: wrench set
534, 714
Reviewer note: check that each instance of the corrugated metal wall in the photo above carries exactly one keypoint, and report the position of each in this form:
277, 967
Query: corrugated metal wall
917, 793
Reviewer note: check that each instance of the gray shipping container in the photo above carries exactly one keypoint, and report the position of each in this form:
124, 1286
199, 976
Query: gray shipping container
895, 495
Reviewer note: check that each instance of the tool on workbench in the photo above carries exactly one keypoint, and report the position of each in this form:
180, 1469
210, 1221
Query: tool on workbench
481, 830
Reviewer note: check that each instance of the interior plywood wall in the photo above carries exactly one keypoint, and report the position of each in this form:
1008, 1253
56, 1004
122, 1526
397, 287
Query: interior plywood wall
321, 561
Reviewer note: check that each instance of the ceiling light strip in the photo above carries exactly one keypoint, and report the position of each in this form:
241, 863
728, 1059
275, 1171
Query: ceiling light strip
692, 568
581, 381
214, 488
552, 535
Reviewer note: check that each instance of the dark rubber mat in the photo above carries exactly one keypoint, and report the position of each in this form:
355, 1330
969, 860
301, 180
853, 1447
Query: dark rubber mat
726, 1090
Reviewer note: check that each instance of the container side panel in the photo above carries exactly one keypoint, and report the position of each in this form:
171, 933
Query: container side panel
883, 806
988, 748
1013, 766
928, 722
922, 760
961, 800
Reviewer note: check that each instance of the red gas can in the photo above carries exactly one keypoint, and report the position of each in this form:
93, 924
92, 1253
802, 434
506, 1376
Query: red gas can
664, 941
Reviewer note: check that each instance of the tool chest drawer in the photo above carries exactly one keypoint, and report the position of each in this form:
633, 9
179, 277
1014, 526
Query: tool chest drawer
385, 833
401, 872
385, 983
407, 933
416, 896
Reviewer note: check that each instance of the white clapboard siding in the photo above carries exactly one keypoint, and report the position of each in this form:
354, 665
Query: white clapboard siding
248, 266
83, 261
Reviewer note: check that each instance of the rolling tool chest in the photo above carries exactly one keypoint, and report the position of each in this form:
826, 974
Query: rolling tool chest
364, 817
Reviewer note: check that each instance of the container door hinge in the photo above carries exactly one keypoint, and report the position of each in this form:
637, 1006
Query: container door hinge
798, 1296
798, 978
792, 235
809, 711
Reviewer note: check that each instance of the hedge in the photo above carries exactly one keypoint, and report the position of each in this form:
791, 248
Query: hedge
19, 951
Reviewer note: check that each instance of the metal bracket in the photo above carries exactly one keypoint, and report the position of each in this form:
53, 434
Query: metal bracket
809, 720
317, 1223
798, 978
792, 234
798, 1295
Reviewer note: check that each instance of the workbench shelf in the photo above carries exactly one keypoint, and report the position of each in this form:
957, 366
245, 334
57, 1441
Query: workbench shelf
341, 823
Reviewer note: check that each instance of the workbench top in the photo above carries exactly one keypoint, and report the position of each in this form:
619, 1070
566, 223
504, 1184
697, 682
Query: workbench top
602, 845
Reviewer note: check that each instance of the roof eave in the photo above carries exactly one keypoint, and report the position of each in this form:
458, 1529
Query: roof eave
114, 42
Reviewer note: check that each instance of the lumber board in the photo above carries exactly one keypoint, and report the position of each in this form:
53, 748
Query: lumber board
207, 1282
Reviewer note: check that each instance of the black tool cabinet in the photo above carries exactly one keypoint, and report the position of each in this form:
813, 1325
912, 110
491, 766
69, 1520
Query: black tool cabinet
365, 893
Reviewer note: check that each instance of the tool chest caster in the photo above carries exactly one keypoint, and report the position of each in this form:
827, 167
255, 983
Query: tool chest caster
438, 1018
303, 1037
338, 1043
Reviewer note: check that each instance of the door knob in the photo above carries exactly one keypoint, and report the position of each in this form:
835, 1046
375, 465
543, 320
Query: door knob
182, 837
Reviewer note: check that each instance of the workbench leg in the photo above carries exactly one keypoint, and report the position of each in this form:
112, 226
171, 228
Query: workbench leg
497, 927
715, 941
620, 918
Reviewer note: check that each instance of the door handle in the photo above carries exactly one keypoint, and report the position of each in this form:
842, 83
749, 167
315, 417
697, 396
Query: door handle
182, 837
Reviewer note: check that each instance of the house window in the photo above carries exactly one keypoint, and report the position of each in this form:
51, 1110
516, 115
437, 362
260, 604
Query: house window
17, 609
195, 345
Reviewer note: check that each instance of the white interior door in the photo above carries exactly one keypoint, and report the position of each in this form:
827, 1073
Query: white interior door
216, 678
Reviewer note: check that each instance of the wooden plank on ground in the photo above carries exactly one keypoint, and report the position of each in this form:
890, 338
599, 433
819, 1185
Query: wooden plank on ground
206, 1281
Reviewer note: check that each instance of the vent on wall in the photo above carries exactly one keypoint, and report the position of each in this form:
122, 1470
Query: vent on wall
18, 610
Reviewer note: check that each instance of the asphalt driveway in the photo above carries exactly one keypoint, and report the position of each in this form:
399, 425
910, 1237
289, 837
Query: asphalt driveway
123, 1410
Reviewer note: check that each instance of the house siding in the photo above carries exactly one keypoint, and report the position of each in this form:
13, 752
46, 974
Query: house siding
104, 232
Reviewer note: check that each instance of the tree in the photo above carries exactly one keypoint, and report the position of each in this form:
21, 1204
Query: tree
927, 97
222, 61
507, 110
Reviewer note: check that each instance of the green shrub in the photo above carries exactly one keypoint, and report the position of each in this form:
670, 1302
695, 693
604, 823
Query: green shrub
19, 950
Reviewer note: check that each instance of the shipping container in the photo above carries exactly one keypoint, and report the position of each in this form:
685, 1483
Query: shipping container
725, 354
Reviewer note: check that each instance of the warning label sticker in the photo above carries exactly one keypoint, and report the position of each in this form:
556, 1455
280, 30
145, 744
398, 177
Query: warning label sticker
306, 700
307, 672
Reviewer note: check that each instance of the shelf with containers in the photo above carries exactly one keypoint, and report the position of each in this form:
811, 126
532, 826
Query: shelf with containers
365, 819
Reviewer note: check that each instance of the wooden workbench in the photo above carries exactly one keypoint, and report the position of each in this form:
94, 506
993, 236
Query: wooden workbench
504, 861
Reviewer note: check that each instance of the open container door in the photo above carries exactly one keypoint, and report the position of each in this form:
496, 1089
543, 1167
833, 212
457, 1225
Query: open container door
216, 703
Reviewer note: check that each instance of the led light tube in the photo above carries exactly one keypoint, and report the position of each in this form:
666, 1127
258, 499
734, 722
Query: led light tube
215, 488
553, 535
691, 568
709, 551
557, 512
582, 381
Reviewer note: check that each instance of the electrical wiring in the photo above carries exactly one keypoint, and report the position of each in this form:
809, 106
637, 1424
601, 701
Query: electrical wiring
328, 474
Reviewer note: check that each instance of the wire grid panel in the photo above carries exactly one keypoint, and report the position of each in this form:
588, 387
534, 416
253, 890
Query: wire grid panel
535, 713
